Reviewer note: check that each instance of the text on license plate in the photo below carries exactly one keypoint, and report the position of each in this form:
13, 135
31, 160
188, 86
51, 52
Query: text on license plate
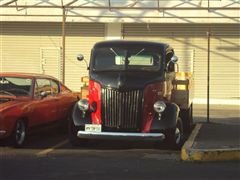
93, 127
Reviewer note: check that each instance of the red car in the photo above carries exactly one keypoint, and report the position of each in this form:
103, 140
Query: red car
29, 101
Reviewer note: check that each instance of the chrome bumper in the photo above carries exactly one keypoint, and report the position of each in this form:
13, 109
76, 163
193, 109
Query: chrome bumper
121, 135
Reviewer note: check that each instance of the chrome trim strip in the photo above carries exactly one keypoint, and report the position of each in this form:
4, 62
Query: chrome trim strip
121, 135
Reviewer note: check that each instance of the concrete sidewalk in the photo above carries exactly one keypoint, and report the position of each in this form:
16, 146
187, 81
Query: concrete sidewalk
218, 140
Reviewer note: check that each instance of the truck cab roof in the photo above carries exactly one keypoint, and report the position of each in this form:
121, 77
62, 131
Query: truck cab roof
125, 43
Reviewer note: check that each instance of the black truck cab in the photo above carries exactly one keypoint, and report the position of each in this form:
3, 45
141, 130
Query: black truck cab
129, 95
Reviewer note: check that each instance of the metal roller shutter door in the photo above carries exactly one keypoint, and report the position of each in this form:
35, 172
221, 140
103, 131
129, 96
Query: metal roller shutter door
21, 45
225, 55
80, 38
36, 48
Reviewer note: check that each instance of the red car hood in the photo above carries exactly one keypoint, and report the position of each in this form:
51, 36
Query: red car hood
11, 101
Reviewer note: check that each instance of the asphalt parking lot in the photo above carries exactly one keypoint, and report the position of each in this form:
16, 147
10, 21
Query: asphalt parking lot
49, 155
53, 143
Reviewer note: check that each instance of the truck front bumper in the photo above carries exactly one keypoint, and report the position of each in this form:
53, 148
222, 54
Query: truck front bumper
121, 135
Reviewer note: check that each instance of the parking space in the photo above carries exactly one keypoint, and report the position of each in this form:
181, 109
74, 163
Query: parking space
34, 144
52, 143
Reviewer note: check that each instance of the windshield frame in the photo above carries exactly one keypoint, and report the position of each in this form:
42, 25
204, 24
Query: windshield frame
30, 91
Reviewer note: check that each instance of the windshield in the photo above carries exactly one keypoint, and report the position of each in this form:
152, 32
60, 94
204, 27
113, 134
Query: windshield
15, 86
116, 58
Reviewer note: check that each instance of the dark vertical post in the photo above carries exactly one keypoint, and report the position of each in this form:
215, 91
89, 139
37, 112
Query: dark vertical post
208, 73
109, 5
208, 4
63, 43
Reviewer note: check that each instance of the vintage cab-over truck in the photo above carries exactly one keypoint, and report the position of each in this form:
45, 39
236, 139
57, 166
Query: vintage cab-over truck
133, 93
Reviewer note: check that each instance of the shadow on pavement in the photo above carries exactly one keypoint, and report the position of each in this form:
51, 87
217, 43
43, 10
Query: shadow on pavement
51, 137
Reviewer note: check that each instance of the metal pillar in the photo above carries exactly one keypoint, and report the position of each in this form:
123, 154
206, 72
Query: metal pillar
63, 42
208, 73
208, 5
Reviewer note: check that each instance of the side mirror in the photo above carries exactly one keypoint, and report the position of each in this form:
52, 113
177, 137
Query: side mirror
43, 94
174, 59
80, 57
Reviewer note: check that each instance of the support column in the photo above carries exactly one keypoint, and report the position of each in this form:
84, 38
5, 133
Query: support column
113, 31
63, 43
208, 73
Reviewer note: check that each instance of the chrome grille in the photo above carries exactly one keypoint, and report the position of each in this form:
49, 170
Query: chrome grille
122, 110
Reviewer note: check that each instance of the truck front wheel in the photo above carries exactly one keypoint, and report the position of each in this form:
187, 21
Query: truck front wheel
187, 119
174, 137
72, 134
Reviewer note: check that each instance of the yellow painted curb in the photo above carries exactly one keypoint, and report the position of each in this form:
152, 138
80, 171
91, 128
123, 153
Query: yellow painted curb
215, 155
188, 153
185, 156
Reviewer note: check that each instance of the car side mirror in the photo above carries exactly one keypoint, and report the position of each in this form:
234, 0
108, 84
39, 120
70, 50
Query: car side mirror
43, 94
80, 57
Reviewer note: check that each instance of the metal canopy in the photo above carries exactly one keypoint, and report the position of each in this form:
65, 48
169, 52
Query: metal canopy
131, 5
6, 3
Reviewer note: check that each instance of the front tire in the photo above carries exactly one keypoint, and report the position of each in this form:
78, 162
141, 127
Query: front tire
175, 137
187, 120
18, 135
72, 134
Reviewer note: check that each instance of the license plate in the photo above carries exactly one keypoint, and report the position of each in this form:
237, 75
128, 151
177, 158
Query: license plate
93, 127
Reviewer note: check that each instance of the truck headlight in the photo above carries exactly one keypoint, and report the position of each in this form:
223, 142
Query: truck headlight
159, 106
83, 104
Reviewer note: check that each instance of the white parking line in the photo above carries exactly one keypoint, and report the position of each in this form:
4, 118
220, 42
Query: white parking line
46, 151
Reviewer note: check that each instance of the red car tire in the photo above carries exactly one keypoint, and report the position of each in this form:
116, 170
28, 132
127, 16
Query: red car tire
18, 135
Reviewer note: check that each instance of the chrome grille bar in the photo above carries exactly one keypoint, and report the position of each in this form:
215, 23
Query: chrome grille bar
121, 110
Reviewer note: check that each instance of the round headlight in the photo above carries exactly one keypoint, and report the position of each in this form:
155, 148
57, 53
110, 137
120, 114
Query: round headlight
159, 106
83, 104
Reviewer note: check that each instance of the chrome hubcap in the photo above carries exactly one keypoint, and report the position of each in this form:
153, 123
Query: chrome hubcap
177, 135
20, 133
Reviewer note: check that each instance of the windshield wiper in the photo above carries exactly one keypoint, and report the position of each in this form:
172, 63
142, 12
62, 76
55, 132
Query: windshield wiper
114, 52
139, 52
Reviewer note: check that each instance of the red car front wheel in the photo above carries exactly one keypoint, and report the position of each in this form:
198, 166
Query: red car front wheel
18, 136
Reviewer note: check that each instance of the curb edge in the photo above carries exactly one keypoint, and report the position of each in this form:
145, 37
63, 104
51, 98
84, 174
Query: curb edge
190, 154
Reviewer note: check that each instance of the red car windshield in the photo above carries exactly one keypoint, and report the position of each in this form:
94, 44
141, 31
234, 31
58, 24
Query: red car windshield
15, 86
